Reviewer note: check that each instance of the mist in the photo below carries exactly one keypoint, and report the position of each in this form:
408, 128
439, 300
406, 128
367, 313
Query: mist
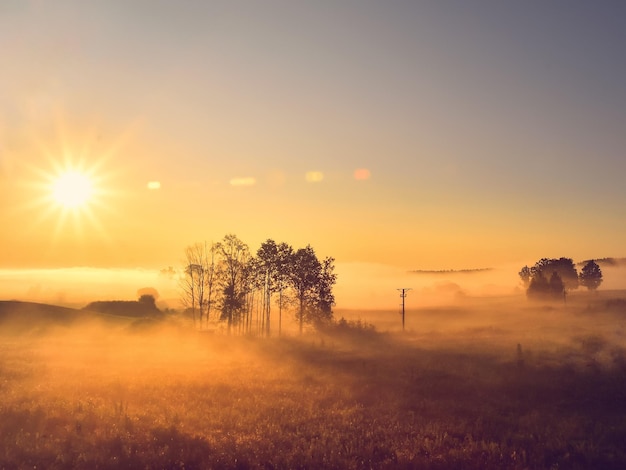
363, 286
78, 286
493, 382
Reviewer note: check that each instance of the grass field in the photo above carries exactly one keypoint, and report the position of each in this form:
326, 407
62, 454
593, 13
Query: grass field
498, 384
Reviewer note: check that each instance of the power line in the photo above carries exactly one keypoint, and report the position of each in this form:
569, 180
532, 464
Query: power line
403, 293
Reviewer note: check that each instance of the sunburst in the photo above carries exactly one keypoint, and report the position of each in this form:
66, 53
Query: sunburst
73, 194
72, 191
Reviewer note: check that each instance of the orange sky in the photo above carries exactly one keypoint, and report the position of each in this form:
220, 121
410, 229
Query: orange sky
417, 136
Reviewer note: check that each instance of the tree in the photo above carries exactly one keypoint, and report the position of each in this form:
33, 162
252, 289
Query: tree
591, 275
148, 291
563, 266
325, 300
193, 281
538, 286
212, 276
199, 281
273, 266
312, 282
283, 272
525, 275
245, 286
249, 286
148, 300
267, 267
304, 276
557, 288
235, 256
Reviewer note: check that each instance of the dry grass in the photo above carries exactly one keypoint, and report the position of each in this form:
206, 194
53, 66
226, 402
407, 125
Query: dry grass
457, 396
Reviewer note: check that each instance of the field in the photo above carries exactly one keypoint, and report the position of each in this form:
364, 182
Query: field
498, 383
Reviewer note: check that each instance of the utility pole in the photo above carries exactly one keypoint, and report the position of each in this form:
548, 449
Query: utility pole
403, 294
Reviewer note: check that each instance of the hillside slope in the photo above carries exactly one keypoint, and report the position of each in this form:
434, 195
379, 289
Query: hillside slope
18, 316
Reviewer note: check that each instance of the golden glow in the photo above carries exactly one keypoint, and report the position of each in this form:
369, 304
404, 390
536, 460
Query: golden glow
247, 181
69, 191
314, 176
154, 185
72, 196
72, 189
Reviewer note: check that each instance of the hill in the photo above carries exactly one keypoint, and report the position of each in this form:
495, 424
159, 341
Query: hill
15, 309
18, 316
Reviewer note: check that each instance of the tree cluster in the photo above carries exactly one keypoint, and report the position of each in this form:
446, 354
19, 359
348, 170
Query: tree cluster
554, 277
224, 281
145, 307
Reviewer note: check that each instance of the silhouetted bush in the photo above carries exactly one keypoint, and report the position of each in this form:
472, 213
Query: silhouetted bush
145, 307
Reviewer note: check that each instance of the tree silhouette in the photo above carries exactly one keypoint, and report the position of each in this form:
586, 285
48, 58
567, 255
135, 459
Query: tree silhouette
212, 277
550, 278
245, 286
235, 256
312, 282
200, 275
591, 275
557, 288
563, 266
525, 275
267, 267
304, 275
283, 271
148, 300
325, 298
538, 286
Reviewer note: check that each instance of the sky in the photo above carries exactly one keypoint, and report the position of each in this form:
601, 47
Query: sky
399, 134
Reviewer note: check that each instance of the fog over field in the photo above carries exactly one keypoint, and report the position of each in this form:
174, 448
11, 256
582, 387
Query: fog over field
359, 285
312, 235
483, 382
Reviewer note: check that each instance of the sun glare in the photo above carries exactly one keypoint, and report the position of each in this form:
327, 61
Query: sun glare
72, 189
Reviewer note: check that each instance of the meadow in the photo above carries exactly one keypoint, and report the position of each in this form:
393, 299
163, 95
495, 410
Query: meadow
485, 383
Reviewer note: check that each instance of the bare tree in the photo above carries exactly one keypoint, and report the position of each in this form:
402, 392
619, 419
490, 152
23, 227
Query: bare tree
212, 276
193, 282
199, 284
188, 289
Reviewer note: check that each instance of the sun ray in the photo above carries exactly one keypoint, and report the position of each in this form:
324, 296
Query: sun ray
71, 190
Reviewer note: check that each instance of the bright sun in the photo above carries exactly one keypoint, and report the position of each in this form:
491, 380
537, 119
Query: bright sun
72, 189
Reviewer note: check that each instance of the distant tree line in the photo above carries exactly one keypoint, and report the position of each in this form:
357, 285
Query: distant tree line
223, 281
142, 308
450, 271
553, 278
607, 262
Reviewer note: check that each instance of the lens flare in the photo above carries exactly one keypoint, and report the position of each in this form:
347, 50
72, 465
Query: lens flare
246, 181
361, 174
314, 176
